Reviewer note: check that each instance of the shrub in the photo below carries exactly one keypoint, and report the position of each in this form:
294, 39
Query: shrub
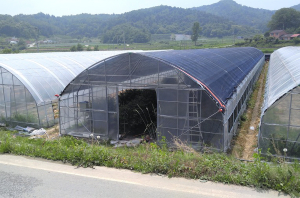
296, 41
73, 48
6, 51
79, 47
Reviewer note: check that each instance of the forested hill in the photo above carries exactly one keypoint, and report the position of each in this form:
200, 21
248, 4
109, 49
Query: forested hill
138, 24
243, 15
296, 7
165, 19
74, 25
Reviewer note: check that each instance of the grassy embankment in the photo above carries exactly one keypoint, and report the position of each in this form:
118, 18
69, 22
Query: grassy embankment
151, 158
155, 44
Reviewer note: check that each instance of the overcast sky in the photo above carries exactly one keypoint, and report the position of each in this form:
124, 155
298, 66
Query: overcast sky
72, 7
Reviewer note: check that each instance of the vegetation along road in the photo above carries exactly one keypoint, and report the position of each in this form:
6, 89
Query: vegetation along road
28, 177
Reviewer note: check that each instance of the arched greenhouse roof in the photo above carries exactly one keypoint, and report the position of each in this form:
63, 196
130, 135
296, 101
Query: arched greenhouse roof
47, 74
283, 74
219, 71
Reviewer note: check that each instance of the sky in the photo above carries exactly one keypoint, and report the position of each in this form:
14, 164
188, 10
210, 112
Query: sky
73, 7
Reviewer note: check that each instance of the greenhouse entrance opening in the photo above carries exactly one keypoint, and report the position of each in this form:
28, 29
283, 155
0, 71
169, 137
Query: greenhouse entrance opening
137, 113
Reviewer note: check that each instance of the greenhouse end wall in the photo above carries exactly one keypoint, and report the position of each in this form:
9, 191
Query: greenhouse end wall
17, 106
280, 126
30, 84
89, 105
279, 133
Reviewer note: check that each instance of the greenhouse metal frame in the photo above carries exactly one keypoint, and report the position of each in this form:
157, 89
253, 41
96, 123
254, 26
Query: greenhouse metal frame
280, 118
200, 93
29, 83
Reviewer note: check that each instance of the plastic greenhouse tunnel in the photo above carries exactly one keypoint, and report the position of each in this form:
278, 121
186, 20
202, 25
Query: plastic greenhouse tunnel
280, 119
29, 83
197, 96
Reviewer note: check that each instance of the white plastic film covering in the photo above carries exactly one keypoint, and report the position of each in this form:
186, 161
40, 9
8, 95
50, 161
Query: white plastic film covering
47, 74
283, 74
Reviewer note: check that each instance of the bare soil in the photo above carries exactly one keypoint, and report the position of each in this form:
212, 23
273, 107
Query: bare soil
252, 135
52, 133
246, 141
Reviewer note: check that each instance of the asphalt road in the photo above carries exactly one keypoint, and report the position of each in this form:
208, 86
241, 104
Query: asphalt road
27, 177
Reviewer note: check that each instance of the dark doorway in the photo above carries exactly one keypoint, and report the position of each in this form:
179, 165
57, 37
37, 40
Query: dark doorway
137, 113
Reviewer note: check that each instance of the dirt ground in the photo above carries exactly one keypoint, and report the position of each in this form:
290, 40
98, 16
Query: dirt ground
246, 140
52, 133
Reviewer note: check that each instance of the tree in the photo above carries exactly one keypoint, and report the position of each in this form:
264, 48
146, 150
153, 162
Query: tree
173, 37
267, 34
73, 48
89, 48
79, 47
196, 31
6, 51
285, 18
96, 48
22, 44
296, 41
270, 39
258, 37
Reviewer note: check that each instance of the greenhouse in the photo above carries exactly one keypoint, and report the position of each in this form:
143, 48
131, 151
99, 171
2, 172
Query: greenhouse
280, 119
199, 94
29, 83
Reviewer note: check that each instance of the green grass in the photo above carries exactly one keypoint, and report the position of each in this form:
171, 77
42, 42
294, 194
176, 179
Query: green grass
150, 158
160, 43
252, 99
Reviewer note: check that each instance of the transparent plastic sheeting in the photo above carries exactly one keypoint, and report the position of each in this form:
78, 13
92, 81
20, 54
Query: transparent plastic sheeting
47, 74
29, 83
283, 74
185, 107
280, 119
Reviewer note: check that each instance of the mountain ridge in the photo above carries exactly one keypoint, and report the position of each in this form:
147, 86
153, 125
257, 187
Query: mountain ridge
223, 18
254, 17
155, 20
296, 7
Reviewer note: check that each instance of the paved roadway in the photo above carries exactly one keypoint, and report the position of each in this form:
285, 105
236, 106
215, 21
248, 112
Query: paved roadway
27, 177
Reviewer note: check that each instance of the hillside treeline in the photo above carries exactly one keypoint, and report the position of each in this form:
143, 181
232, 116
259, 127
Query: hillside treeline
135, 26
287, 19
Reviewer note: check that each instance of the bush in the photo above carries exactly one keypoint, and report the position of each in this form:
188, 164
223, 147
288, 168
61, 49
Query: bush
296, 41
73, 48
244, 117
89, 48
96, 48
240, 43
6, 51
79, 47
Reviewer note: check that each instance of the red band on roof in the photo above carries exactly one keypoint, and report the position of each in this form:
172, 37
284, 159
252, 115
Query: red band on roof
198, 81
